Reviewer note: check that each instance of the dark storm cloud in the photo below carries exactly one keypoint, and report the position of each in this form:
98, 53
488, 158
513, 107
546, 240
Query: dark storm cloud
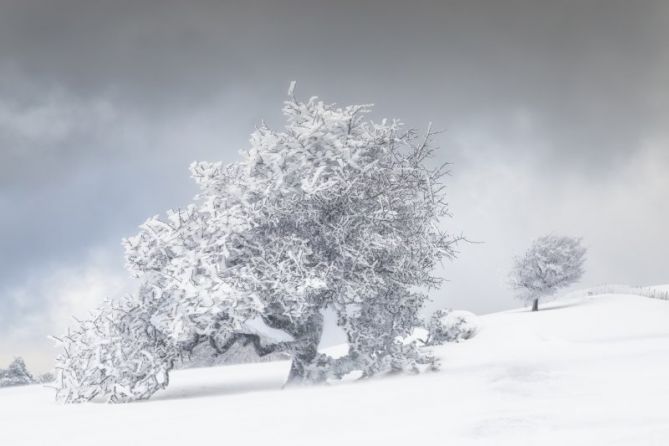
137, 49
584, 67
104, 103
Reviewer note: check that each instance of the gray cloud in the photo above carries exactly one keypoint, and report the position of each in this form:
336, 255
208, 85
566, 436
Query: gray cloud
104, 104
583, 67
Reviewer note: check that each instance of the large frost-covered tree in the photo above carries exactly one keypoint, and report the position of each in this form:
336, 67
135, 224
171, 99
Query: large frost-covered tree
333, 211
551, 263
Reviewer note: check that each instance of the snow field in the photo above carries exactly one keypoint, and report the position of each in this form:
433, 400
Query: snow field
587, 371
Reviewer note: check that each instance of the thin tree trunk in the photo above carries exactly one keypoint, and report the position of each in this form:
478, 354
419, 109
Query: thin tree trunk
535, 304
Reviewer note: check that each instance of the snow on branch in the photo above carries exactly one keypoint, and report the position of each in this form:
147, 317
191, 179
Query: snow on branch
333, 210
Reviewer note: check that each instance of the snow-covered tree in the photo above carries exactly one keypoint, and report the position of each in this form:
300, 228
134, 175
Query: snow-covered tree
46, 378
16, 374
117, 354
551, 263
333, 211
448, 325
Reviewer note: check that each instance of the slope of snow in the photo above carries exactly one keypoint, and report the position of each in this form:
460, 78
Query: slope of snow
655, 292
586, 371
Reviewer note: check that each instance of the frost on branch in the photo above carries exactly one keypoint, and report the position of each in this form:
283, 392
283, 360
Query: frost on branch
448, 325
331, 211
551, 263
117, 355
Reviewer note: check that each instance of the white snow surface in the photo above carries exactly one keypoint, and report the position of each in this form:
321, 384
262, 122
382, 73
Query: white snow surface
587, 371
267, 334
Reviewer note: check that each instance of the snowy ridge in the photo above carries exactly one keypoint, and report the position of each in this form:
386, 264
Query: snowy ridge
584, 370
653, 292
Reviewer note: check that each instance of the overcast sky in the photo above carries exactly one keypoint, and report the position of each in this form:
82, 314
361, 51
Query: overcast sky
556, 119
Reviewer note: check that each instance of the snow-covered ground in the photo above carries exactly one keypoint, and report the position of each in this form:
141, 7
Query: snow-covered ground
587, 371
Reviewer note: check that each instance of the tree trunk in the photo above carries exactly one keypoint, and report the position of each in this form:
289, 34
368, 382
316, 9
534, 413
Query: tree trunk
303, 349
306, 349
535, 304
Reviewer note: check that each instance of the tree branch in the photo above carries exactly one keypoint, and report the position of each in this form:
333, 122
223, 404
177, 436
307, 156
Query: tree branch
247, 338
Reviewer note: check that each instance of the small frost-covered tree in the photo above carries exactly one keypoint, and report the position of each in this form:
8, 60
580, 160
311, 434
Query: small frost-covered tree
16, 374
551, 263
333, 211
448, 325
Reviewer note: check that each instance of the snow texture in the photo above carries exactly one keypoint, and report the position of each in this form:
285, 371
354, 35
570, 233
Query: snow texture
586, 371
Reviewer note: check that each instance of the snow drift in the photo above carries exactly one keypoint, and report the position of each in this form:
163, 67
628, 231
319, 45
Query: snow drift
582, 371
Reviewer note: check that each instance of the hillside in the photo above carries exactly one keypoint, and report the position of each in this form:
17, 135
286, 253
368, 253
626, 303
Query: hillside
591, 370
